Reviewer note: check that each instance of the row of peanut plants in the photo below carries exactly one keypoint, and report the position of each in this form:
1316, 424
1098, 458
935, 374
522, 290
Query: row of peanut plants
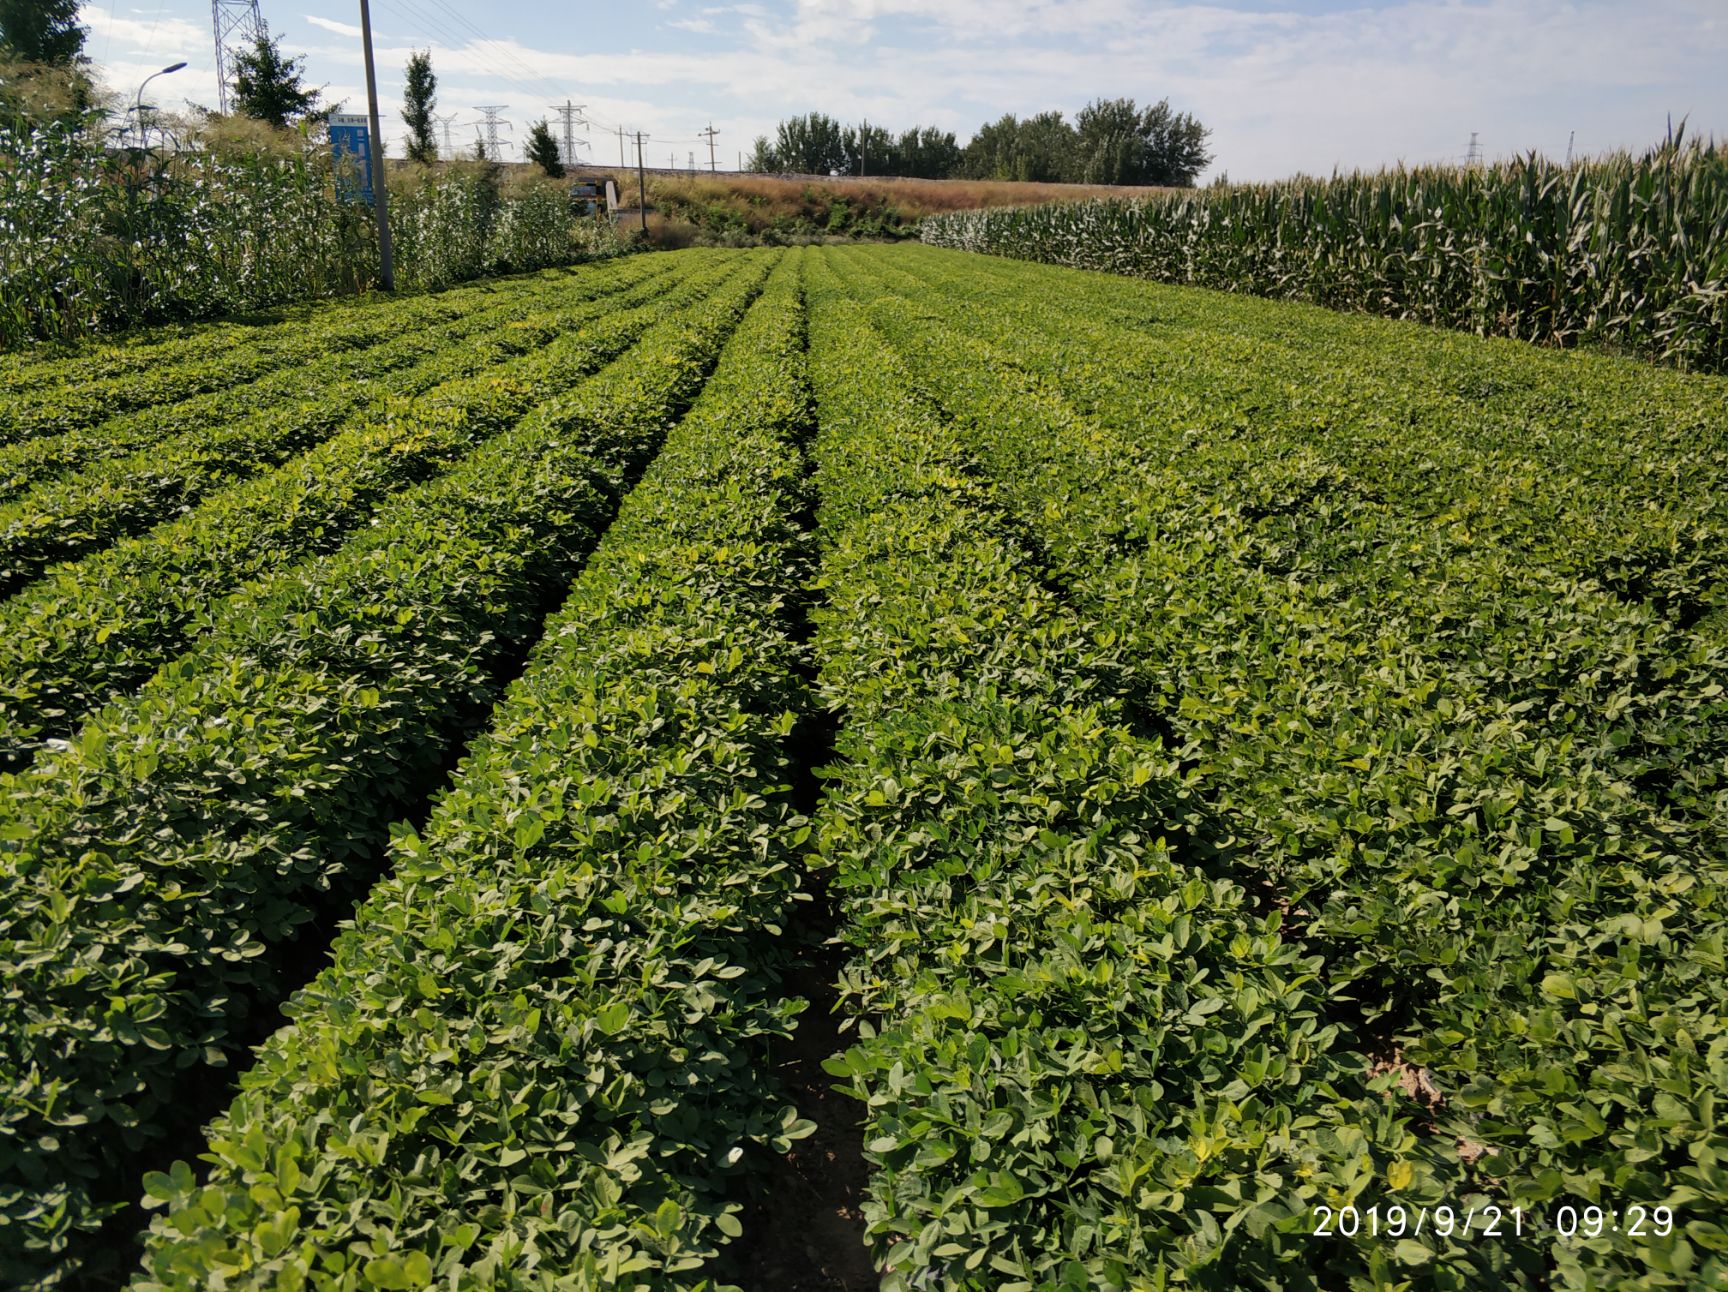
94, 628
75, 400
540, 1045
1448, 751
155, 868
1081, 1049
1600, 476
455, 313
61, 519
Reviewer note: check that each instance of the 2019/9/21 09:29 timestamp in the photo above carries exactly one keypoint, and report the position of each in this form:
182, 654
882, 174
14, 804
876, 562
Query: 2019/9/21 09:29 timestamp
1566, 1222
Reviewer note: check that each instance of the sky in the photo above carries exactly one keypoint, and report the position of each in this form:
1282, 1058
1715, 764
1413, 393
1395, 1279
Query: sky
1286, 86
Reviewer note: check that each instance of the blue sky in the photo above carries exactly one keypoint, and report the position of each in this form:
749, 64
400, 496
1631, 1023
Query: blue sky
1297, 85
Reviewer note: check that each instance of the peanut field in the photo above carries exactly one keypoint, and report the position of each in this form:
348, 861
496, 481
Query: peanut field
1206, 791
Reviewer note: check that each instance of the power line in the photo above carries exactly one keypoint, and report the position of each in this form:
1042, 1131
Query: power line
440, 35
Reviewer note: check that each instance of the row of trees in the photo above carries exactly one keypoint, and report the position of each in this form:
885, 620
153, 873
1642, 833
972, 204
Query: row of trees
1110, 141
817, 144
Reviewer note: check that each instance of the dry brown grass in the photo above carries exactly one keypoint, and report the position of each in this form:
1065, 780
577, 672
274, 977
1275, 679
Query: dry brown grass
912, 198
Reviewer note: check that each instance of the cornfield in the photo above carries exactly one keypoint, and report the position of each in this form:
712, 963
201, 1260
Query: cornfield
1624, 251
93, 239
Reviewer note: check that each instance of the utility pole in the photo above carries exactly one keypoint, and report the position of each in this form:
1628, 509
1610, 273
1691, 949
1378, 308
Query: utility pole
863, 149
710, 132
492, 122
238, 25
671, 161
571, 114
1474, 157
692, 155
380, 199
1570, 136
620, 147
641, 184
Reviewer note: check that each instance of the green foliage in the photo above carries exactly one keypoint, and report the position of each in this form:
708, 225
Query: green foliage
1622, 251
560, 999
367, 665
542, 150
1082, 1046
419, 100
1117, 142
1437, 660
80, 636
41, 31
98, 240
268, 85
1281, 762
813, 144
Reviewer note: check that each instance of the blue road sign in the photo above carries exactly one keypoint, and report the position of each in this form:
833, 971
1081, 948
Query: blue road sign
351, 150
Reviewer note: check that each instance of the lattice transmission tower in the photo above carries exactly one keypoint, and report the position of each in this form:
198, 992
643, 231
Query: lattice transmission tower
238, 25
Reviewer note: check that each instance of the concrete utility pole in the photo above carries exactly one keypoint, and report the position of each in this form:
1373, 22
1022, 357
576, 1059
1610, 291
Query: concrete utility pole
571, 112
380, 199
492, 122
710, 132
641, 184
620, 147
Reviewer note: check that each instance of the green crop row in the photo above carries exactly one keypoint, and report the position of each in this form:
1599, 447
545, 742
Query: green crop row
152, 871
37, 367
78, 403
1489, 786
1595, 477
1080, 1045
64, 518
536, 1059
1624, 251
31, 462
96, 628
104, 358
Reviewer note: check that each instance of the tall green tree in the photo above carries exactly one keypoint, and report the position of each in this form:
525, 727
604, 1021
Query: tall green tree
270, 86
41, 31
869, 150
762, 159
542, 149
1041, 149
813, 144
1121, 143
924, 152
419, 97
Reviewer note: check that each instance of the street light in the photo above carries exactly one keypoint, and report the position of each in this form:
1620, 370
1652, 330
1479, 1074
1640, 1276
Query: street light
138, 104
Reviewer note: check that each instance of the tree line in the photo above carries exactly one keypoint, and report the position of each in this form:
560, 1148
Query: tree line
1110, 141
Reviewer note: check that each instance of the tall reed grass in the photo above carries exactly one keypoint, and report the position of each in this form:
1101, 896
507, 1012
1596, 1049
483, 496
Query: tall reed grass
1626, 251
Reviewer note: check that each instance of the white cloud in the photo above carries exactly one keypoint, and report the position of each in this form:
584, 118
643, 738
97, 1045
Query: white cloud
1284, 90
340, 28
